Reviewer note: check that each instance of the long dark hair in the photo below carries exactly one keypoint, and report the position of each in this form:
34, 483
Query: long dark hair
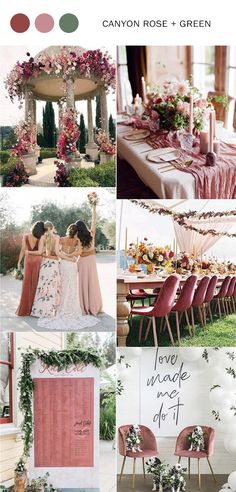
83, 233
38, 229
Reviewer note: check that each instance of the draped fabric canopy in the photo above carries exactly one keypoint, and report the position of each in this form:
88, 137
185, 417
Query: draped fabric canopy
194, 243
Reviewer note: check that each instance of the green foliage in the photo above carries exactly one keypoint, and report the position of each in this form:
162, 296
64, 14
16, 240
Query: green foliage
108, 409
101, 175
223, 99
14, 173
46, 153
4, 156
85, 182
49, 126
98, 113
8, 137
109, 230
112, 128
82, 138
61, 359
87, 340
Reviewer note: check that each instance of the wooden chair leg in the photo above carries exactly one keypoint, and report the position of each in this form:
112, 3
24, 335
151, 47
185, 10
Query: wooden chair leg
148, 328
122, 468
210, 313
177, 325
140, 329
192, 318
162, 325
189, 468
169, 330
223, 305
144, 474
200, 316
211, 470
219, 309
154, 330
133, 479
189, 326
199, 473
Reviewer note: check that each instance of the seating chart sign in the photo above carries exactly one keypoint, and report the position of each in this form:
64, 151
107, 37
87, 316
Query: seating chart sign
66, 426
63, 411
169, 390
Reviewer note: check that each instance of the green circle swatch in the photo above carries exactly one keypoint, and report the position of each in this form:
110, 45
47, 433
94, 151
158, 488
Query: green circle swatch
68, 23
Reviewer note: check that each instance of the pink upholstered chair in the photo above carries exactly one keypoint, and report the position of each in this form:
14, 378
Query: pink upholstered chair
148, 447
220, 296
160, 309
184, 303
182, 448
136, 295
211, 291
229, 296
198, 300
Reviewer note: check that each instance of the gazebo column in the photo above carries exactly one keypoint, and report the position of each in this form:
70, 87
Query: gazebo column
31, 158
60, 109
70, 95
91, 147
104, 113
34, 123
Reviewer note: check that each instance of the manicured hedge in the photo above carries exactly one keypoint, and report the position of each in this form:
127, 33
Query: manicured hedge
46, 153
101, 175
4, 156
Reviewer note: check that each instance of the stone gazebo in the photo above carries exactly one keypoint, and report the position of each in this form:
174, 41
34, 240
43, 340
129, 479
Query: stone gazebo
64, 75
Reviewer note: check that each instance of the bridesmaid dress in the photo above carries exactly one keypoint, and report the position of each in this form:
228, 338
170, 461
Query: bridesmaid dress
30, 282
89, 288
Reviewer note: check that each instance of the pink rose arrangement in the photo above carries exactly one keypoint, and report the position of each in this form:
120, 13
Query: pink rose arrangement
69, 135
170, 106
105, 144
90, 64
26, 139
93, 199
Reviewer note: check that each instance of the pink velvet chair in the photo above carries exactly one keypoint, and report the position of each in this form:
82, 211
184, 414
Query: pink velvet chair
160, 309
148, 447
182, 448
210, 293
220, 296
198, 301
184, 303
229, 296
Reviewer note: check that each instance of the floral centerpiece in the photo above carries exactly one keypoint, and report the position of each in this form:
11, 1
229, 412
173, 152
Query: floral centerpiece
20, 476
66, 145
147, 253
26, 139
106, 145
63, 64
190, 263
170, 106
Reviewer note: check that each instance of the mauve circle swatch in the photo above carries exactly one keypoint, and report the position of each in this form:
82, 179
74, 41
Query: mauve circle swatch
44, 23
20, 23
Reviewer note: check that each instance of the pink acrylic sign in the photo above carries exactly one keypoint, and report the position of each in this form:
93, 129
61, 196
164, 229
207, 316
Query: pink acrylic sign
64, 422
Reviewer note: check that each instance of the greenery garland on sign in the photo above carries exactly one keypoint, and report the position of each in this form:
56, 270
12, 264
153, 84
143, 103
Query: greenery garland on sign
61, 359
181, 218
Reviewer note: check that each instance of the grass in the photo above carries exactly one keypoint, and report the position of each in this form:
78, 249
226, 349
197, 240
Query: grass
220, 333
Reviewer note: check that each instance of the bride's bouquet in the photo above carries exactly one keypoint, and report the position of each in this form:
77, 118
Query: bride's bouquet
93, 199
18, 274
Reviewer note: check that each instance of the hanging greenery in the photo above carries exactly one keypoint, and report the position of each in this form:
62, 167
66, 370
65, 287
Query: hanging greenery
61, 359
181, 217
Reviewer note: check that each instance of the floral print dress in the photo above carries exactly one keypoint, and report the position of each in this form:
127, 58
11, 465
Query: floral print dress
48, 293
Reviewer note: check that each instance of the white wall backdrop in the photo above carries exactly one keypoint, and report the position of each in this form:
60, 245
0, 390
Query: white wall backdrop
168, 389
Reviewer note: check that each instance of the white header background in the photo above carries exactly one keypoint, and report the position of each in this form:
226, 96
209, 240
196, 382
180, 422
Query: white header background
91, 34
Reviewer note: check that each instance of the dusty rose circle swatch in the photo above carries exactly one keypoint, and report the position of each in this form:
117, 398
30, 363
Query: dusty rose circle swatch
20, 23
44, 23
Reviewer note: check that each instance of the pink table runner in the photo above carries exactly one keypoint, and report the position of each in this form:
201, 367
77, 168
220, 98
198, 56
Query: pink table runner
211, 182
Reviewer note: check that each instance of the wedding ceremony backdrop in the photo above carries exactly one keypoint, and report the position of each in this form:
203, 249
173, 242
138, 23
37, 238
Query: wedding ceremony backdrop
174, 388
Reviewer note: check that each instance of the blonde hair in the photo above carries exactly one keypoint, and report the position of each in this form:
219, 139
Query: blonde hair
49, 230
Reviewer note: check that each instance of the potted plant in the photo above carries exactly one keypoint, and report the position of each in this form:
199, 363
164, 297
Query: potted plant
39, 484
20, 476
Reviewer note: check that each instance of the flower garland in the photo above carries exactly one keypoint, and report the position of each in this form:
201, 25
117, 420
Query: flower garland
181, 218
26, 139
64, 64
61, 359
69, 135
105, 144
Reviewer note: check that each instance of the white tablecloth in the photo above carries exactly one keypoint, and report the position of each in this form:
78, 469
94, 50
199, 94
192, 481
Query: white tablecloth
171, 184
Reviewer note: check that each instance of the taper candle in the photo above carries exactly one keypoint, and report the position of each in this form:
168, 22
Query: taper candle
144, 89
137, 252
191, 115
211, 130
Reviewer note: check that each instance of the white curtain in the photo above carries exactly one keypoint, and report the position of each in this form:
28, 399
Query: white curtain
194, 243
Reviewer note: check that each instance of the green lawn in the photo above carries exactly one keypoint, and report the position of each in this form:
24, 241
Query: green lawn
220, 333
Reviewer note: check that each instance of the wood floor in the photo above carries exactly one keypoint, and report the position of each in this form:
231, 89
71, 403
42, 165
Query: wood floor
128, 183
141, 485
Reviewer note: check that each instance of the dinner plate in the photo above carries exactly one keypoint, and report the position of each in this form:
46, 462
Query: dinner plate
163, 155
137, 135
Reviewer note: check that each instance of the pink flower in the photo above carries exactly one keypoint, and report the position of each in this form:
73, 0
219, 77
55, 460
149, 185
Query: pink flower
154, 115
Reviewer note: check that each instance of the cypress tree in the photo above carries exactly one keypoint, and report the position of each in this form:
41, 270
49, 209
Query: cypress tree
112, 128
49, 127
98, 113
82, 138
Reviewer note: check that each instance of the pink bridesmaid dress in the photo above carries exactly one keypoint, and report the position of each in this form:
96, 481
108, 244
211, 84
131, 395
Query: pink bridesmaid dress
30, 282
89, 288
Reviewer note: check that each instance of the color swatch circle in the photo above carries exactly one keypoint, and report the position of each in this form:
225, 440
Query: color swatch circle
20, 23
68, 23
44, 23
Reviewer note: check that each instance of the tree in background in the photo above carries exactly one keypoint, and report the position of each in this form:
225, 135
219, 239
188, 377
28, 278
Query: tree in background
98, 118
49, 127
82, 138
63, 217
112, 128
109, 229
